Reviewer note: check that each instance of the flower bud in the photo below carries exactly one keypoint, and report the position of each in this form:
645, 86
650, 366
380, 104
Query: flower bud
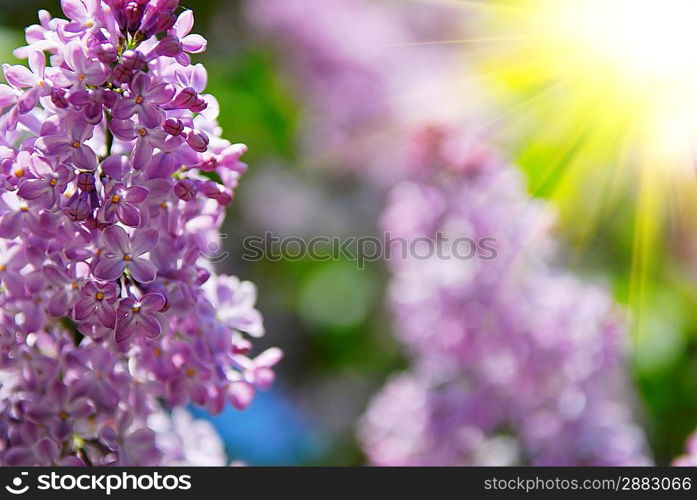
169, 46
209, 163
210, 189
197, 140
133, 60
185, 190
85, 182
185, 98
133, 14
108, 97
106, 53
121, 74
160, 17
118, 9
198, 106
224, 198
58, 98
173, 126
78, 207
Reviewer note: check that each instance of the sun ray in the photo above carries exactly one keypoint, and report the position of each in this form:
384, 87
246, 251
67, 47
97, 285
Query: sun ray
468, 4
459, 41
521, 105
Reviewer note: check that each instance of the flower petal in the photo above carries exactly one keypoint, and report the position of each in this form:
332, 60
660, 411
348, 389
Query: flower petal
110, 268
142, 270
152, 302
117, 241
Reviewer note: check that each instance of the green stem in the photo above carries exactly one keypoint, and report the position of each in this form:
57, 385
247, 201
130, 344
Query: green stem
109, 135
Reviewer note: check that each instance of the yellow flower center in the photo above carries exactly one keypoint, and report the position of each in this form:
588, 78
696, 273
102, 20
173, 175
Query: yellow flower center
99, 296
136, 309
53, 182
143, 132
82, 77
139, 99
63, 415
190, 372
19, 172
76, 144
157, 352
74, 285
115, 198
24, 209
127, 258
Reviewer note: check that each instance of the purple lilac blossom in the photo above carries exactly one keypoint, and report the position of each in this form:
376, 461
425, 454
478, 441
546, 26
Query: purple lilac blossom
512, 361
109, 308
184, 440
364, 87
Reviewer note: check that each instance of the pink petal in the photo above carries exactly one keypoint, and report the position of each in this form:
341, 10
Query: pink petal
80, 408
84, 308
152, 302
110, 268
142, 154
124, 329
124, 109
194, 44
150, 116
128, 215
74, 9
241, 394
117, 240
144, 241
32, 189
7, 96
269, 357
19, 76
123, 129
142, 270
150, 326
37, 62
184, 24
136, 194
199, 77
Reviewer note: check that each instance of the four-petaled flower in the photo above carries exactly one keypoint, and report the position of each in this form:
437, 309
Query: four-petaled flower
139, 317
48, 184
122, 203
60, 408
99, 300
69, 145
146, 95
122, 251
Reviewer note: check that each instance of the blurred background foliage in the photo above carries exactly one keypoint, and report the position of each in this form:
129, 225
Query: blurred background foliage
329, 316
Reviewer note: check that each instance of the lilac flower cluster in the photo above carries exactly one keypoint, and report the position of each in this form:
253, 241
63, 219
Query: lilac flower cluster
113, 185
361, 87
512, 361
184, 440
